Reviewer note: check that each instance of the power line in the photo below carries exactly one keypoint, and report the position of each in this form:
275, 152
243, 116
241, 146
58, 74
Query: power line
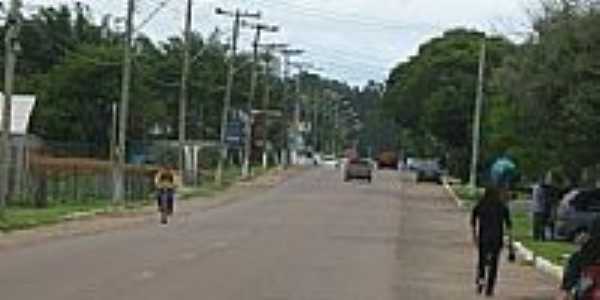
313, 12
338, 61
153, 14
331, 52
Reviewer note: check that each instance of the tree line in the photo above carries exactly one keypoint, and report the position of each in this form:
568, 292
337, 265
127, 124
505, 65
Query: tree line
542, 97
73, 65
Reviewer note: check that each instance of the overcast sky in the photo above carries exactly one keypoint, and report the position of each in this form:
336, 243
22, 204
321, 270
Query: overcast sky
349, 40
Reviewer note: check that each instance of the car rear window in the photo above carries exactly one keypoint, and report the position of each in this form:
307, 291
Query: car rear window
587, 201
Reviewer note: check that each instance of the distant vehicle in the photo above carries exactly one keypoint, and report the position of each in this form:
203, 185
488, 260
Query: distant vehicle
307, 159
387, 160
576, 211
429, 171
411, 164
330, 161
358, 169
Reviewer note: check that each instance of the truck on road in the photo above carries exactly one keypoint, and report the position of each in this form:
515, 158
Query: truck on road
387, 160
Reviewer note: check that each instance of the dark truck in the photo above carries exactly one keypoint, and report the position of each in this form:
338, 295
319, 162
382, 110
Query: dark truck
387, 160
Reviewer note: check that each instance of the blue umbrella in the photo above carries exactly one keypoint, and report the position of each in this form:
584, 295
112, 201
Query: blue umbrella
503, 172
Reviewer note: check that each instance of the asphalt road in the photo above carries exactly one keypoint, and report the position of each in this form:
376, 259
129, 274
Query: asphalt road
310, 238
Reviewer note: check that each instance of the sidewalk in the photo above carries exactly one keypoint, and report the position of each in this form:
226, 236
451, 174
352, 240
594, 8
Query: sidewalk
443, 257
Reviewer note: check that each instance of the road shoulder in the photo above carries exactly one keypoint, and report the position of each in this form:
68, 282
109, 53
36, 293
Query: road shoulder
121, 219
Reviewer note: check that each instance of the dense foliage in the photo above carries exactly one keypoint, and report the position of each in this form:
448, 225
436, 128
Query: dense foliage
542, 98
74, 67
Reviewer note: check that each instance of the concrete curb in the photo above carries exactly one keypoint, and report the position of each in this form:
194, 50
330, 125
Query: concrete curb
459, 202
541, 264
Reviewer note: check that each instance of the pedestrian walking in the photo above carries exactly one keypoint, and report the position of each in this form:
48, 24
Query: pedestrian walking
539, 211
489, 219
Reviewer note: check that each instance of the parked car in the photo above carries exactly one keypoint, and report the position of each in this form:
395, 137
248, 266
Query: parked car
411, 164
576, 211
307, 159
330, 161
429, 171
358, 169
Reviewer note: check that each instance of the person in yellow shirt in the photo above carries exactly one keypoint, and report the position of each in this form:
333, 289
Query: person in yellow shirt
166, 182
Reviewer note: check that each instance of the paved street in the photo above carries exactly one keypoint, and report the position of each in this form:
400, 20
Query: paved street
311, 238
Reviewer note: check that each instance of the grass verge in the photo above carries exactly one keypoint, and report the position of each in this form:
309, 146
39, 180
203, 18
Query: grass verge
554, 251
467, 194
209, 188
21, 217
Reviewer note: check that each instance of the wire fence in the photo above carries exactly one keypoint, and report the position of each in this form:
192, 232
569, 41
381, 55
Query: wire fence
43, 174
47, 173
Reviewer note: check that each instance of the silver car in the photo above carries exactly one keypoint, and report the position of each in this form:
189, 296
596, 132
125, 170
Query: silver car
358, 169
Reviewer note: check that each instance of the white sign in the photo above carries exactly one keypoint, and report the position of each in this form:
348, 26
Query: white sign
22, 106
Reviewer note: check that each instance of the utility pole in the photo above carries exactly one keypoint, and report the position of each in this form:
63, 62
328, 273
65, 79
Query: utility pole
13, 23
315, 121
287, 53
183, 96
267, 96
297, 111
119, 171
477, 117
248, 143
237, 15
113, 131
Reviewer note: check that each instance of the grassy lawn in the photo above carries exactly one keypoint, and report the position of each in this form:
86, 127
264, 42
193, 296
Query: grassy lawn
554, 251
16, 218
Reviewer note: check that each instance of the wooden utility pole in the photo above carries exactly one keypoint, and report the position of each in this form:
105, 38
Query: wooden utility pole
287, 54
119, 170
183, 95
259, 28
477, 118
266, 103
13, 22
267, 96
237, 15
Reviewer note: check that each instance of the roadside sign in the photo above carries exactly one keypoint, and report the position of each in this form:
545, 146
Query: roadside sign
22, 107
234, 135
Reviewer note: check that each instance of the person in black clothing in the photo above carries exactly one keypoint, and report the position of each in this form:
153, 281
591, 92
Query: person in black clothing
488, 220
